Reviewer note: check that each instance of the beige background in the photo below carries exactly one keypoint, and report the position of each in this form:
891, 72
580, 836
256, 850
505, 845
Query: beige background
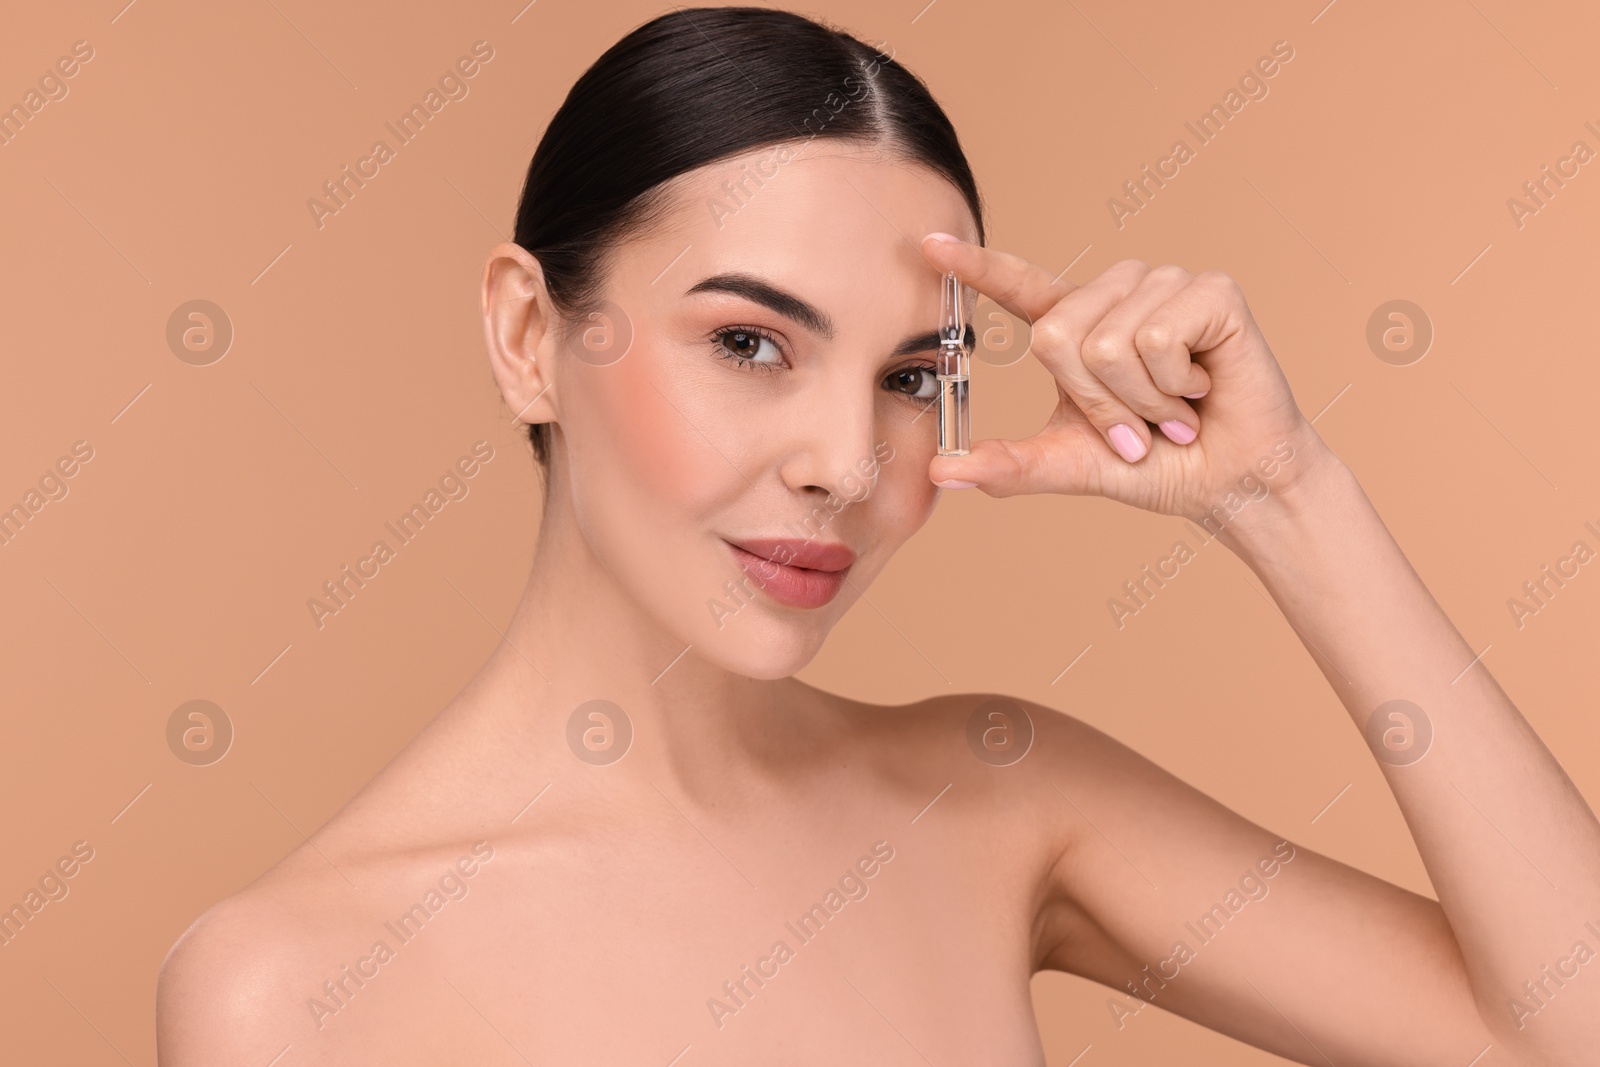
221, 497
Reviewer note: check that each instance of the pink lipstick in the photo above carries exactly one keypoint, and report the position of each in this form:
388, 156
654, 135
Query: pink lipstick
794, 572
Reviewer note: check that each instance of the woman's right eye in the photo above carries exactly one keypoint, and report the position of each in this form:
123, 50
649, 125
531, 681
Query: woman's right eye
743, 345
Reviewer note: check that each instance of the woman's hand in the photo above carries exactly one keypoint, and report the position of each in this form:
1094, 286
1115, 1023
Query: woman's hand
1134, 345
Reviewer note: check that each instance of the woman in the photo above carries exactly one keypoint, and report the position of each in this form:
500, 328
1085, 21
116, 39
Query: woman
635, 838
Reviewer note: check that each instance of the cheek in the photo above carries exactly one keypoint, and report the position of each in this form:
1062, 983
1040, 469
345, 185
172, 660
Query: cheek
905, 472
646, 487
904, 496
652, 432
915, 504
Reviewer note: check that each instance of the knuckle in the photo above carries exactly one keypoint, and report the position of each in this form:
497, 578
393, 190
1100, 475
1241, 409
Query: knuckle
1101, 349
1153, 337
1050, 335
1170, 272
1220, 281
1138, 265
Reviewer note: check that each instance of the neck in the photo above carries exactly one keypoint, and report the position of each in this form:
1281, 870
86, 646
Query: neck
577, 636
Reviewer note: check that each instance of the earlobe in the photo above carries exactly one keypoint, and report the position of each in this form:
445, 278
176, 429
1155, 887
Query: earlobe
518, 332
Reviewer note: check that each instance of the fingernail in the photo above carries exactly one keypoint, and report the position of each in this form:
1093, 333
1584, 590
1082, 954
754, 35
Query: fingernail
1196, 396
1178, 431
947, 238
1126, 442
954, 483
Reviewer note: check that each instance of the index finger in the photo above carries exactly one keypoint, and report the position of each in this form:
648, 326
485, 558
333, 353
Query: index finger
1023, 288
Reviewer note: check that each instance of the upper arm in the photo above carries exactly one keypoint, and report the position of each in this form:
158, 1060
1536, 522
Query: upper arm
216, 997
1163, 890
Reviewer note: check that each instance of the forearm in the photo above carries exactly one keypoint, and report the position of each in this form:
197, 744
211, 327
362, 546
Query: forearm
1510, 845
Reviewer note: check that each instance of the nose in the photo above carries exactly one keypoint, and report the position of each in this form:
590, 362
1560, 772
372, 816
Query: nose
832, 440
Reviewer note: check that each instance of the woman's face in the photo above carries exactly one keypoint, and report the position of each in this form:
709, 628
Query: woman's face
773, 387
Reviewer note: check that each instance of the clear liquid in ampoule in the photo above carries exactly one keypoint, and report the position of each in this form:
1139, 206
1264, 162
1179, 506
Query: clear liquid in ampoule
954, 432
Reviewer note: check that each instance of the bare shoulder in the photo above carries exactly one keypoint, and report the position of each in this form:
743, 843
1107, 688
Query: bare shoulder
1014, 764
1030, 769
224, 992
251, 975
272, 966
1063, 759
998, 730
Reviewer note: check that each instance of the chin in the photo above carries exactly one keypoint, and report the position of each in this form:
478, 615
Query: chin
764, 649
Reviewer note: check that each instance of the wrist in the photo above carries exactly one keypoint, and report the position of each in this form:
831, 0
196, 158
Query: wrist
1311, 487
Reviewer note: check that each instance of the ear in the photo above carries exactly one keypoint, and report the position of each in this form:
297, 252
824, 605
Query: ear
519, 330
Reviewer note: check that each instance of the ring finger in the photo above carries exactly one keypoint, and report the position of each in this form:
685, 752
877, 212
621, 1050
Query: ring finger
1111, 352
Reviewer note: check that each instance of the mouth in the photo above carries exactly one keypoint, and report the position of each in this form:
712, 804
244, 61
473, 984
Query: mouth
795, 573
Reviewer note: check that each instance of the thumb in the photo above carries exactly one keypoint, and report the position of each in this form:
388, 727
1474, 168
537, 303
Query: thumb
1059, 459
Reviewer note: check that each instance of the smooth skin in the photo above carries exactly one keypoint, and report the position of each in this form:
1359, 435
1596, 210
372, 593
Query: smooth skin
597, 914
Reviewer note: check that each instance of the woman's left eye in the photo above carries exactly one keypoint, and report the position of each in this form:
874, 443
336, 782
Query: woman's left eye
742, 344
917, 382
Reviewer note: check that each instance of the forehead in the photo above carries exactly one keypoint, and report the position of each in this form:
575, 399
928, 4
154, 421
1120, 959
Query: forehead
837, 223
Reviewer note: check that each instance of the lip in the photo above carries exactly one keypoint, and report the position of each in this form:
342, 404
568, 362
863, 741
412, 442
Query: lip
809, 575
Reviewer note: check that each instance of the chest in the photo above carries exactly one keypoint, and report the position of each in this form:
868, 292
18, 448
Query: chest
882, 952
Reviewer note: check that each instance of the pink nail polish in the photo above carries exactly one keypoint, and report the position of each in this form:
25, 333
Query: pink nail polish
1126, 442
1196, 396
1180, 432
954, 483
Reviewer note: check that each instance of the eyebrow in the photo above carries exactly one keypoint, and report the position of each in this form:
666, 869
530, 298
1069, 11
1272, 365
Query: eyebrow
759, 291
